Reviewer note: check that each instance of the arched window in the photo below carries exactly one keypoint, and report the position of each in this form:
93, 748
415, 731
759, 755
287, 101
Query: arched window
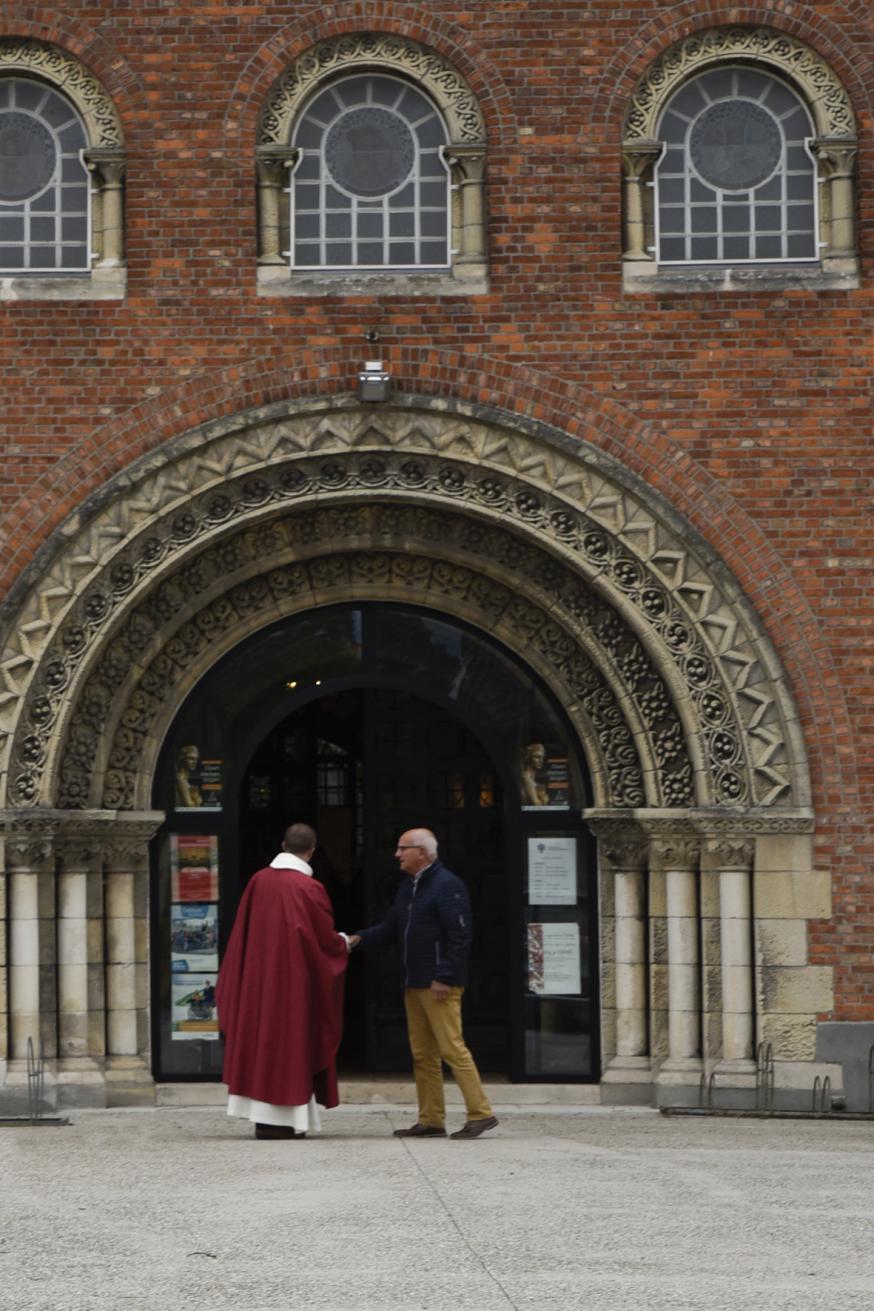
371, 160
61, 178
737, 179
45, 209
738, 160
370, 186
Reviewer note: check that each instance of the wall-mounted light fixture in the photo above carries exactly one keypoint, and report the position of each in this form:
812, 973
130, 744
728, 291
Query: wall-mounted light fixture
374, 383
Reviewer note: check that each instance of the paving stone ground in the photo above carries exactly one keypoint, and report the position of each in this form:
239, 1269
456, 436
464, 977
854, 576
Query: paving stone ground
589, 1209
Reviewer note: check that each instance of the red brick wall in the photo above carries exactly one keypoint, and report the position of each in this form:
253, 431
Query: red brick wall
752, 412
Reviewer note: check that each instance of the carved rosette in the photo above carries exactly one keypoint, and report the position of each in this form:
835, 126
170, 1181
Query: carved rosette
354, 53
799, 63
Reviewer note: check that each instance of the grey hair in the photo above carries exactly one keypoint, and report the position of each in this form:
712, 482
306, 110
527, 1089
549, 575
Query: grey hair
424, 838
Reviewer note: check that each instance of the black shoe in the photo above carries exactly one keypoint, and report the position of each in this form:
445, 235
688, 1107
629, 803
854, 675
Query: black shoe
420, 1131
474, 1128
276, 1131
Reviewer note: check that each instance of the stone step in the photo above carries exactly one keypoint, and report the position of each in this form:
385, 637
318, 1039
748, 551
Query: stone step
372, 1090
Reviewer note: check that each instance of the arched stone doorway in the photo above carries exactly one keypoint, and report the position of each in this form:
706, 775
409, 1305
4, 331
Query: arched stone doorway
363, 719
663, 670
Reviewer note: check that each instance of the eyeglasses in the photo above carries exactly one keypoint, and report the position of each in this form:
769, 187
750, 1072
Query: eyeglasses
411, 846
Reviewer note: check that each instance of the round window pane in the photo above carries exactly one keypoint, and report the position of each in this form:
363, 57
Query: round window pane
735, 145
27, 156
370, 151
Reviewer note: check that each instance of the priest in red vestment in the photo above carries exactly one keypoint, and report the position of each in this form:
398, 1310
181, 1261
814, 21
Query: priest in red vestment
280, 996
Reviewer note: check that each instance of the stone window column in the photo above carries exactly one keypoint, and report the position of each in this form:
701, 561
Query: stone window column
127, 983
622, 851
675, 852
273, 164
467, 167
107, 166
29, 865
639, 159
836, 157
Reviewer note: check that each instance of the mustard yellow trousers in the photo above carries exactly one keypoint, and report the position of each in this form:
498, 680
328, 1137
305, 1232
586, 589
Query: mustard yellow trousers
434, 1029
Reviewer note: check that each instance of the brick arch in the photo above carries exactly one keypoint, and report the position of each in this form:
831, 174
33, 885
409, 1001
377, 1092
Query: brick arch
92, 49
510, 394
413, 22
804, 22
580, 517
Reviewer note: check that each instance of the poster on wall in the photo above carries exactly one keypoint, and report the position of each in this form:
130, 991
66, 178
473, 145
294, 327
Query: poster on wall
197, 780
554, 959
552, 871
193, 1012
544, 777
193, 867
193, 937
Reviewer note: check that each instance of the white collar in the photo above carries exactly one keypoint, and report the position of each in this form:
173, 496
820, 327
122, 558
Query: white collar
285, 860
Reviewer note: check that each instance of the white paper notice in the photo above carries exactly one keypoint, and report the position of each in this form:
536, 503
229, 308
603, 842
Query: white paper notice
554, 959
552, 871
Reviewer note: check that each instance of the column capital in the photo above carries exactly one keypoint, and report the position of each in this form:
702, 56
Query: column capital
622, 844
836, 155
468, 159
129, 834
29, 837
108, 163
638, 157
271, 160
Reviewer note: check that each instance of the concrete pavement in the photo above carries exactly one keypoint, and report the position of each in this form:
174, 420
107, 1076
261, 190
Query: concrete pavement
179, 1209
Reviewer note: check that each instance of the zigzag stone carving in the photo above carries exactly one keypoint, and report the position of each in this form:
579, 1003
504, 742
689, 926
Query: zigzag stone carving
817, 81
357, 53
571, 503
102, 123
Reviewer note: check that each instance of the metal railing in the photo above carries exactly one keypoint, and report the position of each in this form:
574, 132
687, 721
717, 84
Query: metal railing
765, 1077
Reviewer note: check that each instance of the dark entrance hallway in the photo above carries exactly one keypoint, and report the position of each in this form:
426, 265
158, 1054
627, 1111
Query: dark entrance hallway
361, 765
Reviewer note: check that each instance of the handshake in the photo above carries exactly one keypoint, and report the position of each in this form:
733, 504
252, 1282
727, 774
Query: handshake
351, 941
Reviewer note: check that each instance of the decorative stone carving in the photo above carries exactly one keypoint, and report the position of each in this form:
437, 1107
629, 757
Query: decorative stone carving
573, 527
394, 54
48, 62
802, 65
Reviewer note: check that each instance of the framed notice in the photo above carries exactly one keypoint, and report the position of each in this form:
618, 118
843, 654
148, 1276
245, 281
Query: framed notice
193, 1012
552, 871
193, 867
193, 937
554, 959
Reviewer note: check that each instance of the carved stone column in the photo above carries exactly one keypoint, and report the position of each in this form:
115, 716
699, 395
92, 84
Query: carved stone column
128, 1080
732, 859
837, 157
622, 851
81, 969
273, 164
638, 161
29, 851
468, 164
675, 851
107, 165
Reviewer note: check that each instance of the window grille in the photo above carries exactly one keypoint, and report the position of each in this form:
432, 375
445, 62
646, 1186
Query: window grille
44, 184
370, 188
737, 179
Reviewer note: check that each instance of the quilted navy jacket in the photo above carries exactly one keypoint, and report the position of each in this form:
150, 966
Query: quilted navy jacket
430, 922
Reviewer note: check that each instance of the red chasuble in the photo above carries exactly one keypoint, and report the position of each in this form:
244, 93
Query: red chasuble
280, 992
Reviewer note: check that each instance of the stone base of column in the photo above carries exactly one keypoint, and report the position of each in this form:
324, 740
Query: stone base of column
627, 1081
678, 1081
734, 1085
14, 1099
81, 1081
129, 1082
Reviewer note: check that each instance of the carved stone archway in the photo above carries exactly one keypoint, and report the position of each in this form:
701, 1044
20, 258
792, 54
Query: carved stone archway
663, 668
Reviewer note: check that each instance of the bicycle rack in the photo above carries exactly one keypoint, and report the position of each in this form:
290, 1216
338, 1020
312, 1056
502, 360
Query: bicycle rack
706, 1092
871, 1081
36, 1072
821, 1101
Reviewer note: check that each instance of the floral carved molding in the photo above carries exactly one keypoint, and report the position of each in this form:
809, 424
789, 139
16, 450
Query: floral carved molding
580, 532
38, 59
356, 53
782, 54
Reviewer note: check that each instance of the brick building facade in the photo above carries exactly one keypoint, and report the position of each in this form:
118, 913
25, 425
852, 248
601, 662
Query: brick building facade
642, 468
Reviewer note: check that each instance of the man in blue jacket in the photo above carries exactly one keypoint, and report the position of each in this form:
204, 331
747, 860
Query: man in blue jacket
430, 922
